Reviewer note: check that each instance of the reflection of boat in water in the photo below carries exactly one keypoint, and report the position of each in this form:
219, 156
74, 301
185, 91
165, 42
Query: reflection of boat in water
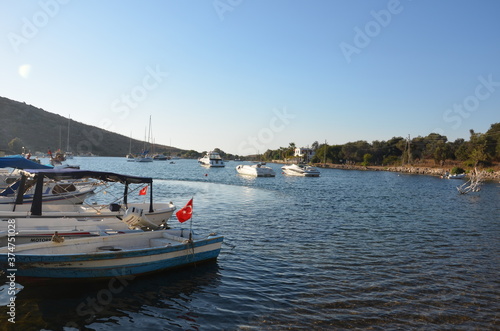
54, 303
101, 257
256, 170
212, 159
300, 170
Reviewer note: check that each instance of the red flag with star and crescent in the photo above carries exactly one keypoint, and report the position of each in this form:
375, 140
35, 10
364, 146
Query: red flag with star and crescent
143, 191
185, 212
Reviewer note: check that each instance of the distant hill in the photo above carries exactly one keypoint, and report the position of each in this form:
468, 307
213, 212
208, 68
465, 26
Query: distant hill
39, 130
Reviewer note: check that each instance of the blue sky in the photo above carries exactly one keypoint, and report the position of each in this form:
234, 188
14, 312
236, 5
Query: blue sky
245, 76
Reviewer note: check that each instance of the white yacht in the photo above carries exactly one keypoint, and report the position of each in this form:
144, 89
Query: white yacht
300, 170
256, 170
212, 159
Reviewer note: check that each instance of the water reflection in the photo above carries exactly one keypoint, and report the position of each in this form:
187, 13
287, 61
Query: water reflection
169, 296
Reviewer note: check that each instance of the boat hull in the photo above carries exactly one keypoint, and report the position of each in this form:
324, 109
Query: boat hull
301, 171
255, 171
111, 261
212, 160
161, 212
64, 198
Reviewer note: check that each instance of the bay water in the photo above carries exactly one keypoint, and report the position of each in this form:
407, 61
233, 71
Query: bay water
347, 250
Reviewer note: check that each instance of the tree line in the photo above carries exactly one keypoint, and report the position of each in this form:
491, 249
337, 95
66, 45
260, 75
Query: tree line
482, 149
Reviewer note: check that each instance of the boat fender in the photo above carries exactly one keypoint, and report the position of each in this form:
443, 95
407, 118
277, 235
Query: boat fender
135, 218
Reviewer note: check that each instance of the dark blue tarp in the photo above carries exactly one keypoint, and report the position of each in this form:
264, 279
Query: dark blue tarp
20, 162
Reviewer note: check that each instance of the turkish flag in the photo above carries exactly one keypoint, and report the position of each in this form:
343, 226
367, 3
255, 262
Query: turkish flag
185, 212
143, 190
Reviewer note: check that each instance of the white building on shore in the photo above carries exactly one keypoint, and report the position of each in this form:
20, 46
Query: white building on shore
304, 153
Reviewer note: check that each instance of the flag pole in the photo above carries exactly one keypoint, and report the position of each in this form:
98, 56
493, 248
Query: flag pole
191, 222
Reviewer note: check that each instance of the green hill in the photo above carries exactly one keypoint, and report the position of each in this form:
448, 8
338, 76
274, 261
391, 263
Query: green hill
39, 130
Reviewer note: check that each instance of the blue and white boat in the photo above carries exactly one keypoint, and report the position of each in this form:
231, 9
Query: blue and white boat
110, 256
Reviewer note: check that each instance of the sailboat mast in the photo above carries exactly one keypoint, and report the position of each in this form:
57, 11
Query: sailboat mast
67, 141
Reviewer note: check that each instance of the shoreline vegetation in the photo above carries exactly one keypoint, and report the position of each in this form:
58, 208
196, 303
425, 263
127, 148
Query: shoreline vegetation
430, 155
416, 170
489, 174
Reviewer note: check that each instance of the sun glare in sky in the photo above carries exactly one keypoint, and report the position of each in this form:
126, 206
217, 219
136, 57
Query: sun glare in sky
24, 70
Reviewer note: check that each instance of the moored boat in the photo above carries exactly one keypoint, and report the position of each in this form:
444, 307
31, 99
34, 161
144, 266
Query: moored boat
110, 256
256, 170
300, 170
157, 213
212, 159
68, 192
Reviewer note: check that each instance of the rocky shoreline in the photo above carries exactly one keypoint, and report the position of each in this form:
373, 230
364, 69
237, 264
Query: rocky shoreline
495, 175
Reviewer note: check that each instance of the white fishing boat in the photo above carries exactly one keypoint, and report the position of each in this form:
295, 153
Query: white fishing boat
156, 213
212, 159
300, 170
65, 192
255, 170
110, 256
26, 230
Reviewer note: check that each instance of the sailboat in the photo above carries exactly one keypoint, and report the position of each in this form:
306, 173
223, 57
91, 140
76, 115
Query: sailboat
130, 157
145, 157
68, 155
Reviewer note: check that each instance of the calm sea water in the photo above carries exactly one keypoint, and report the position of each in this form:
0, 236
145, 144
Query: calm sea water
347, 250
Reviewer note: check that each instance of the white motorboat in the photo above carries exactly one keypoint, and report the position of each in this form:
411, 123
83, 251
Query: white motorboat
212, 159
156, 213
65, 192
300, 170
256, 170
104, 256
